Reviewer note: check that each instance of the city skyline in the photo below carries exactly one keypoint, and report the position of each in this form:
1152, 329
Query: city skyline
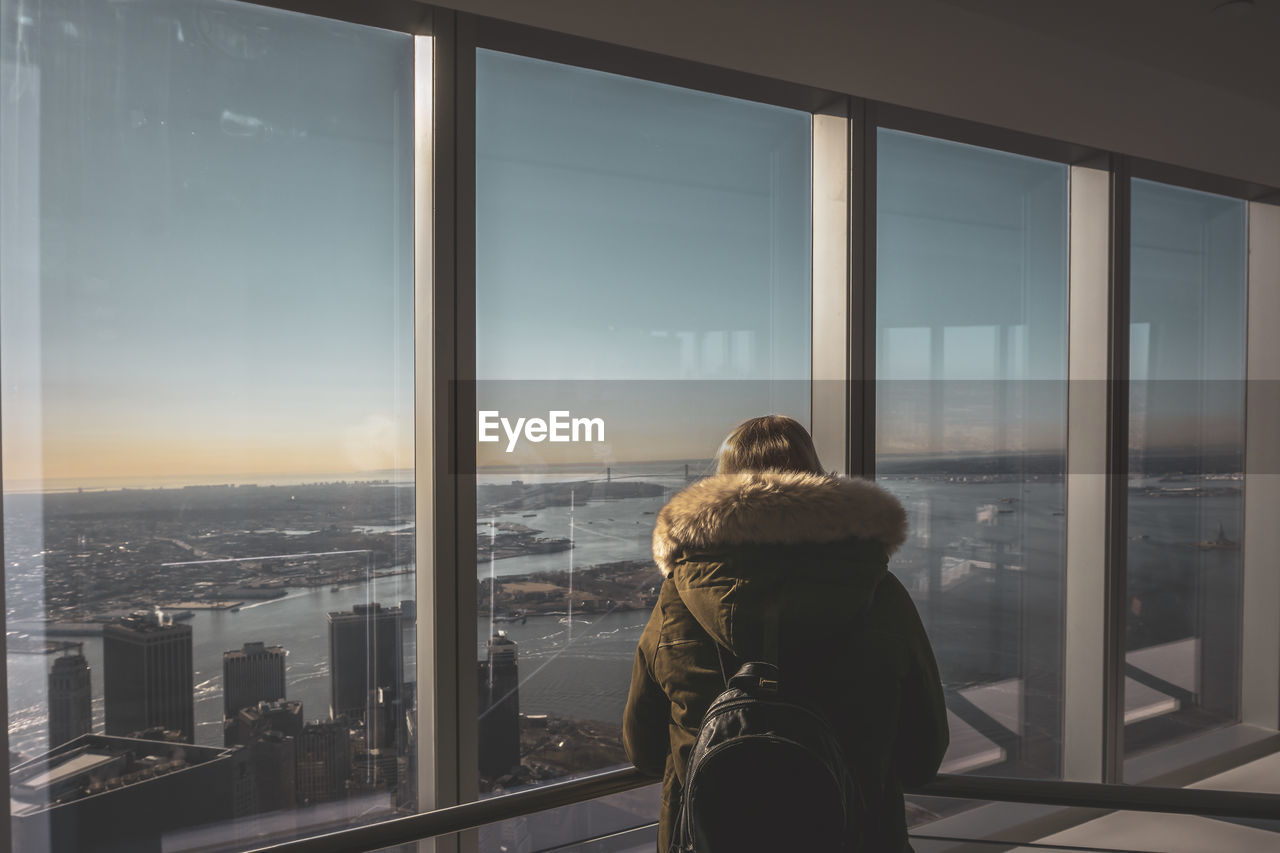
1221, 434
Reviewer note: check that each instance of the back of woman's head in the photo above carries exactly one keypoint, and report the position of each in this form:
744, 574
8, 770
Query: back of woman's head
773, 441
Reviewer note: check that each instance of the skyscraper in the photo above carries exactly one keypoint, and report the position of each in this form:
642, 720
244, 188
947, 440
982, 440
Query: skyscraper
323, 752
499, 683
365, 654
147, 675
251, 675
270, 731
70, 699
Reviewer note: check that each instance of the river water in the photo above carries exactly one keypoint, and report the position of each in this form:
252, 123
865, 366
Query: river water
583, 670
297, 621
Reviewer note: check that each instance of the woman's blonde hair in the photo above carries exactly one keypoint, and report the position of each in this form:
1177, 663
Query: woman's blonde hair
772, 441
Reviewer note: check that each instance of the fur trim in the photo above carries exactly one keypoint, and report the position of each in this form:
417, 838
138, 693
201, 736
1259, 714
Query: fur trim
782, 507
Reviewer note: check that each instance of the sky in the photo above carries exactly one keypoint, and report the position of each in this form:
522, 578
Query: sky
218, 280
213, 273
643, 253
216, 270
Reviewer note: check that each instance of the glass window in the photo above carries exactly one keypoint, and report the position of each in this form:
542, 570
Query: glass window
971, 323
643, 258
207, 354
1188, 273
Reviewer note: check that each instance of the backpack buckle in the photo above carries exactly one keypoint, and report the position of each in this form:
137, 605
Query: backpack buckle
756, 675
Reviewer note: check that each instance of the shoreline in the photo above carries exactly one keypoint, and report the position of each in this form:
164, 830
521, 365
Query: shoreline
616, 586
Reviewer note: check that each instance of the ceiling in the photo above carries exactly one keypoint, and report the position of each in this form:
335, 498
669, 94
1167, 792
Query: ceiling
1229, 45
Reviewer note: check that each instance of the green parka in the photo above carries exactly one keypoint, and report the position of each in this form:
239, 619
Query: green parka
819, 545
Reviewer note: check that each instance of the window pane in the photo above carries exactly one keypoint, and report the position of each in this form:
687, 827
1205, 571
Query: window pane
642, 257
207, 354
971, 326
1188, 274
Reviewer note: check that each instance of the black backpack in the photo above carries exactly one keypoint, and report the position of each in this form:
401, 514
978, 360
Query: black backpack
766, 772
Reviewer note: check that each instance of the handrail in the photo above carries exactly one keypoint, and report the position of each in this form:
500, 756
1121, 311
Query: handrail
451, 819
1205, 802
446, 821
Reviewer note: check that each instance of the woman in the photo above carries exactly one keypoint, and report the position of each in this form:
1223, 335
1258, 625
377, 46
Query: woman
772, 525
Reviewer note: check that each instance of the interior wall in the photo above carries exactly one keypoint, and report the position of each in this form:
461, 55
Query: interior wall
986, 62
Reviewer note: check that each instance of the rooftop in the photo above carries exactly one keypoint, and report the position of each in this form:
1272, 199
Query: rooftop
147, 621
251, 649
92, 765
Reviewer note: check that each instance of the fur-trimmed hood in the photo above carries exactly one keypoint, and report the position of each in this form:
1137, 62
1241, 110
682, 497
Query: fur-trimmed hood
775, 507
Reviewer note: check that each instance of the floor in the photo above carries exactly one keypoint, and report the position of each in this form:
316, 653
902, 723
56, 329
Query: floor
1173, 833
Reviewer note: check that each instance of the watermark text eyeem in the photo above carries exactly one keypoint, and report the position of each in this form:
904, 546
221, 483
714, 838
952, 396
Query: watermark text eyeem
560, 426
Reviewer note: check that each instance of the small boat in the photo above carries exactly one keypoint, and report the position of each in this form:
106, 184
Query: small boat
335, 588
514, 616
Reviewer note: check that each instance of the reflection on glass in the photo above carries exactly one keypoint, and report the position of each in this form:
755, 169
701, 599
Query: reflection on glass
1186, 449
971, 409
642, 259
207, 355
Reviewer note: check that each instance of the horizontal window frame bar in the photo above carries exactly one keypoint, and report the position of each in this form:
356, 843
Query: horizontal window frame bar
994, 137
1094, 795
551, 46
1204, 802
406, 16
1208, 182
968, 845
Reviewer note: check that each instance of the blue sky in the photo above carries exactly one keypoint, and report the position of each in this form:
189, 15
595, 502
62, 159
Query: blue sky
223, 281
213, 273
642, 251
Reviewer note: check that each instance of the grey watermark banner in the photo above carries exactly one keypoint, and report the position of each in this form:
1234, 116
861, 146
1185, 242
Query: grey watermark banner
1006, 428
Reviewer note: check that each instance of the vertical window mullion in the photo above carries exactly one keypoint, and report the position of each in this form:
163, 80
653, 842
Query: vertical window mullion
444, 86
1117, 469
462, 442
425, 239
1084, 647
831, 330
1260, 652
862, 305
